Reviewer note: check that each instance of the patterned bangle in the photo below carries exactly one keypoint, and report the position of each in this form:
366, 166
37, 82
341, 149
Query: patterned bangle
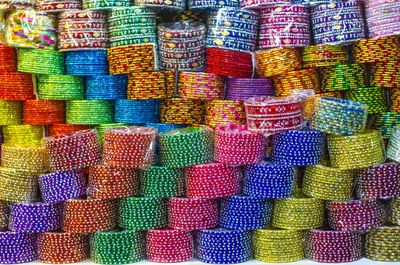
22, 243
162, 182
393, 148
381, 17
31, 159
278, 61
386, 123
302, 79
386, 74
182, 111
65, 129
200, 85
373, 97
343, 77
381, 244
394, 216
151, 85
377, 50
18, 185
324, 55
58, 5
104, 4
221, 112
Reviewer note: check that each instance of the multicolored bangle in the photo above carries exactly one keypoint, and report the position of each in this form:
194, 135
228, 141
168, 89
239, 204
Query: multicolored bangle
381, 244
286, 83
324, 56
379, 22
222, 112
373, 97
104, 4
377, 50
278, 61
151, 85
182, 111
343, 77
386, 74
53, 6
200, 85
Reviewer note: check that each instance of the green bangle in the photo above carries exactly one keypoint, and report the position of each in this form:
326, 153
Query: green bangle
386, 123
343, 77
104, 4
89, 112
10, 112
40, 61
60, 87
162, 182
373, 97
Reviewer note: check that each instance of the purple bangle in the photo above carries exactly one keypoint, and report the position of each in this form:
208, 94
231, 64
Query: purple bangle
62, 186
244, 88
382, 18
34, 217
17, 248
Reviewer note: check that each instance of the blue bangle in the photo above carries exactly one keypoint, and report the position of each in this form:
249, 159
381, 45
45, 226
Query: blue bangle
86, 63
106, 87
137, 111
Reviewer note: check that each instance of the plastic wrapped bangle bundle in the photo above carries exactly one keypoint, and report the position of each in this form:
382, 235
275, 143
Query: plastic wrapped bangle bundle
117, 247
284, 26
338, 23
221, 112
245, 213
328, 183
40, 61
182, 111
268, 180
27, 158
382, 244
30, 29
200, 85
386, 74
393, 148
104, 4
162, 182
132, 58
60, 87
373, 97
106, 182
212, 246
355, 215
311, 2
88, 112
192, 213
42, 112
357, 151
173, 5
23, 134
186, 147
278, 246
378, 182
142, 213
8, 58
181, 45
333, 246
102, 128
212, 180
77, 151
61, 186
298, 148
324, 56
339, 116
34, 217
278, 61
53, 6
151, 85
168, 245
17, 247
236, 146
377, 50
62, 248
21, 83
131, 26
262, 4
129, 147
17, 185
343, 77
298, 213
106, 87
382, 18
89, 216
86, 62
394, 213
245, 88
65, 129
302, 79
137, 111
229, 63
10, 112
211, 4
270, 115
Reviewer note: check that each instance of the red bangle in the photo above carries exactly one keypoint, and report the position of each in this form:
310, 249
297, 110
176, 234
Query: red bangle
65, 129
8, 59
41, 112
21, 84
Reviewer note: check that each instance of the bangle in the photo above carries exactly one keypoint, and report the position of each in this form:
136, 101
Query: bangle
88, 112
393, 152
32, 159
23, 135
245, 88
18, 185
229, 63
60, 87
151, 85
106, 87
22, 84
51, 6
377, 50
132, 58
373, 97
104, 4
86, 62
211, 4
200, 85
182, 111
23, 244
376, 14
162, 182
40, 61
65, 129
10, 112
102, 128
343, 77
394, 213
324, 56
278, 61
137, 111
301, 79
4, 212
221, 112
43, 112
8, 56
385, 74
381, 244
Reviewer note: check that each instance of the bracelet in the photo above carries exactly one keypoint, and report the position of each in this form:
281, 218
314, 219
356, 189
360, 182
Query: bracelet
162, 182
40, 61
245, 88
373, 97
377, 50
43, 112
31, 158
65, 129
343, 77
286, 83
151, 85
324, 56
137, 111
23, 244
132, 58
200, 85
86, 62
22, 84
221, 112
376, 14
278, 61
51, 6
229, 63
10, 112
182, 111
385, 74
381, 244
18, 185
23, 135
106, 87
60, 87
89, 112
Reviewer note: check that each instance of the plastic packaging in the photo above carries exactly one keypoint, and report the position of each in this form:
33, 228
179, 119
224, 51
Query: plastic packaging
104, 4
51, 6
393, 148
211, 4
262, 4
382, 17
176, 5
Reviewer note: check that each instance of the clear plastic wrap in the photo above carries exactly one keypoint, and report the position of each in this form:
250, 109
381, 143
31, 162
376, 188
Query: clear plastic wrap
178, 5
382, 17
393, 148
212, 4
58, 5
16, 4
260, 4
104, 4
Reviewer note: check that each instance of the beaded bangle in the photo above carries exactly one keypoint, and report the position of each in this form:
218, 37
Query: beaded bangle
343, 77
357, 151
62, 248
104, 4
302, 79
21, 83
77, 151
394, 213
106, 182
381, 17
130, 147
339, 117
32, 159
162, 182
393, 148
333, 246
377, 50
298, 213
278, 61
142, 213
212, 246
235, 145
40, 61
10, 112
186, 147
106, 87
169, 245
86, 62
102, 128
245, 213
200, 85
89, 112
192, 213
221, 112
229, 63
23, 134
60, 87
17, 247
61, 186
17, 185
34, 217
65, 129
385, 74
275, 246
4, 212
42, 112
373, 97
51, 6
182, 111
117, 247
268, 180
245, 88
151, 85
137, 111
328, 183
324, 55
8, 57
89, 216
382, 244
